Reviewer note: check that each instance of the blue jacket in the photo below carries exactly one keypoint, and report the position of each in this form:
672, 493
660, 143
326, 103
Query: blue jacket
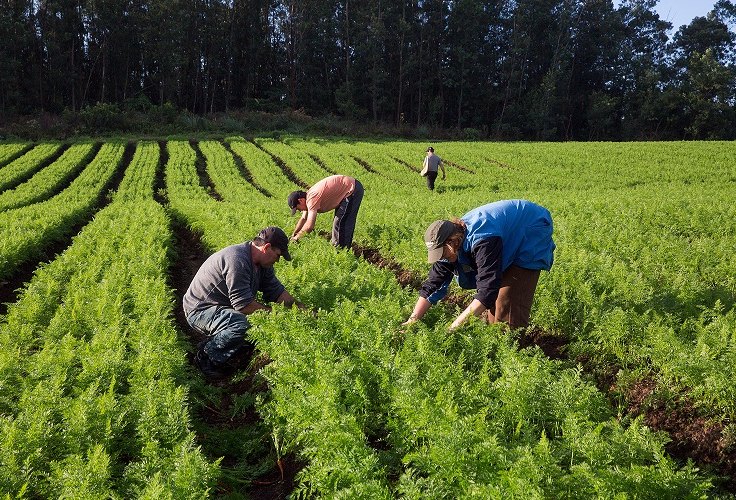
498, 235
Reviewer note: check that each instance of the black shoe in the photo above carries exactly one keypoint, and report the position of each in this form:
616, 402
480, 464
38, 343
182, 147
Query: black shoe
210, 369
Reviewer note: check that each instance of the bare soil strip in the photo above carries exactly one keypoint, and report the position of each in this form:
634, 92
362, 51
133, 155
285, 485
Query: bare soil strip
693, 435
223, 415
457, 166
288, 172
247, 175
499, 163
316, 159
204, 177
365, 165
407, 165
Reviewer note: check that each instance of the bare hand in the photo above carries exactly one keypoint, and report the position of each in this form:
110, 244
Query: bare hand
409, 321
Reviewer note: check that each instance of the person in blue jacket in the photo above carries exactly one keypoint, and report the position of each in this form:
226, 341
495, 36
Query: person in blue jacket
498, 249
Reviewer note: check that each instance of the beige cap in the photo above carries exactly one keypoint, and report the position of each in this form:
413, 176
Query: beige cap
435, 237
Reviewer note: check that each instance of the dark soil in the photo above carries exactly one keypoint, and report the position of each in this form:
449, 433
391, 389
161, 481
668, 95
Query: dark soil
288, 172
498, 163
372, 255
316, 159
459, 167
693, 435
204, 178
365, 165
553, 346
407, 165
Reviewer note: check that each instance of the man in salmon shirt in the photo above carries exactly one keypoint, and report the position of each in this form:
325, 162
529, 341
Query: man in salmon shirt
340, 193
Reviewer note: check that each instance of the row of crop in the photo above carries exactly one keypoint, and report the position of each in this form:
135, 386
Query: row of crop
221, 168
434, 415
262, 168
49, 179
26, 231
657, 294
20, 169
10, 151
90, 405
438, 416
310, 171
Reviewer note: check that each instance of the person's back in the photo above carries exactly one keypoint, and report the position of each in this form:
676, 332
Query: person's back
433, 162
328, 193
510, 220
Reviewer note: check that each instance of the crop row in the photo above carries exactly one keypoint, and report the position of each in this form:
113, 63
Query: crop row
20, 169
643, 279
48, 180
644, 276
10, 151
643, 284
90, 406
26, 231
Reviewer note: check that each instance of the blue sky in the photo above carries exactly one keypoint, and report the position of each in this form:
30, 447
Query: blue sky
680, 12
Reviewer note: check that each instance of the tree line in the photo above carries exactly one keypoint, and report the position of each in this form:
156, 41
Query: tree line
513, 69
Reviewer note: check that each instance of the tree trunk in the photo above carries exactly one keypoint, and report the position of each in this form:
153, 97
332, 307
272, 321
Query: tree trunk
401, 65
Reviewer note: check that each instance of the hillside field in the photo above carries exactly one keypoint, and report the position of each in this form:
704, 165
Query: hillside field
622, 387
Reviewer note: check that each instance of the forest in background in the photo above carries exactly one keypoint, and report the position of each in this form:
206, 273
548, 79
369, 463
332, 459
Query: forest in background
500, 69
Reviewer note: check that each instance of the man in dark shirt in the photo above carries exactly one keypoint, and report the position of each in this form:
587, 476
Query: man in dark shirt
223, 293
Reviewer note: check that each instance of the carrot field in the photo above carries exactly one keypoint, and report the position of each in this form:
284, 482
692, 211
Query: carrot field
622, 387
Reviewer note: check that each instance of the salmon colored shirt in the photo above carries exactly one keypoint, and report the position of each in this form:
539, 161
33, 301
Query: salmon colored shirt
328, 193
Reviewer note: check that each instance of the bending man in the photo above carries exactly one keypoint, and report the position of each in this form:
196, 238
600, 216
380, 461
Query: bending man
498, 249
340, 193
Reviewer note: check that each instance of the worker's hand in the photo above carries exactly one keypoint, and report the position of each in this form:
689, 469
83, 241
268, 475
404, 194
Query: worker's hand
409, 321
294, 239
406, 325
459, 321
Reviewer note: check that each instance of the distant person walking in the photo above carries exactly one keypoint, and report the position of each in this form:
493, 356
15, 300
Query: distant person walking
223, 293
498, 249
432, 163
340, 193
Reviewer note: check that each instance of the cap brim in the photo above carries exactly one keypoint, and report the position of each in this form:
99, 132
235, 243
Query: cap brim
293, 211
435, 254
286, 255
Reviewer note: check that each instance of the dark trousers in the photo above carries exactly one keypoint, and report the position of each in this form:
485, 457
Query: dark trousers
343, 225
225, 329
515, 297
431, 177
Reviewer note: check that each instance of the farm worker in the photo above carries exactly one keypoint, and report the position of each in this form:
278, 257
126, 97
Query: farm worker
498, 249
223, 293
431, 163
340, 193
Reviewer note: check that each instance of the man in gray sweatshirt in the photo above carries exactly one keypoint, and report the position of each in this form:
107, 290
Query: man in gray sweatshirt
223, 293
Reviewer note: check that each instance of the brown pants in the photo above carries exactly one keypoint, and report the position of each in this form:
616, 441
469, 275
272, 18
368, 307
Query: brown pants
515, 297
